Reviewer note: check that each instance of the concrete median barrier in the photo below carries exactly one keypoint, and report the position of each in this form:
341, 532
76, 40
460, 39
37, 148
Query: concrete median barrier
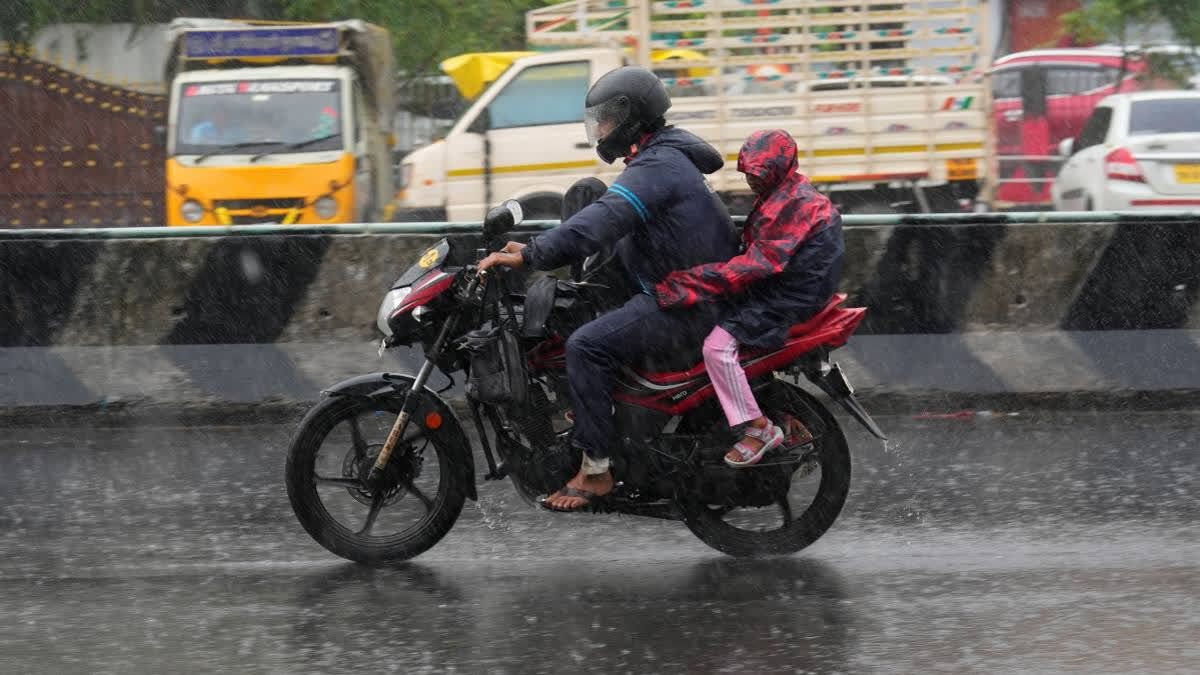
958, 313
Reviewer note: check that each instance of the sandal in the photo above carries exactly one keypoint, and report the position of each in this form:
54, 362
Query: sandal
770, 435
796, 433
587, 495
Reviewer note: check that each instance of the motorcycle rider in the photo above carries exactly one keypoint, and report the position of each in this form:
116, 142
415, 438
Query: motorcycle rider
673, 221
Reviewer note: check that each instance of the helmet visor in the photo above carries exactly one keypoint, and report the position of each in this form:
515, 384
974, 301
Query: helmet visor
602, 119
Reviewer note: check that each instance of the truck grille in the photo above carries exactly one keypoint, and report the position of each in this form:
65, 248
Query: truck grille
248, 204
273, 219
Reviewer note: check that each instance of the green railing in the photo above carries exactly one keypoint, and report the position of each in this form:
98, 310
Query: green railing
936, 219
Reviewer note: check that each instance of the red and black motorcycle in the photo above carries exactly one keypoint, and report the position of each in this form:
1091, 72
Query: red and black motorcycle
380, 468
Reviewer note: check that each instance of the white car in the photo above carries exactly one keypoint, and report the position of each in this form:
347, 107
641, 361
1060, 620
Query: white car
1136, 152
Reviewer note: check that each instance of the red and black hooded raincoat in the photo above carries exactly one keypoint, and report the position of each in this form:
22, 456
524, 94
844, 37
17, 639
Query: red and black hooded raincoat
793, 252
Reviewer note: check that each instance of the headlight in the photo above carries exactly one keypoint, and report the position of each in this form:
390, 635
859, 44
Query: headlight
192, 211
390, 302
326, 207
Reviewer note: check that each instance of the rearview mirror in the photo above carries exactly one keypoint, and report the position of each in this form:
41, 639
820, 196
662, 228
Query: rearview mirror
1066, 146
503, 219
160, 136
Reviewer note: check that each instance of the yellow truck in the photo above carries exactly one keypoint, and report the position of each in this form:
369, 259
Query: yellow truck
886, 99
278, 123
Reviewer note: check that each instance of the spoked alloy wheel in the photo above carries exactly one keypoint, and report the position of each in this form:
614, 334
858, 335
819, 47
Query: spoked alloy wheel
809, 480
334, 450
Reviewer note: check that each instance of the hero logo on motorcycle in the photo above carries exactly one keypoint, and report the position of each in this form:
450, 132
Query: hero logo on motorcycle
381, 467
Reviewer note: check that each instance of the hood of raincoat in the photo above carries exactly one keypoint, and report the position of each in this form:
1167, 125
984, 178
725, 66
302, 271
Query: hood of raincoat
770, 155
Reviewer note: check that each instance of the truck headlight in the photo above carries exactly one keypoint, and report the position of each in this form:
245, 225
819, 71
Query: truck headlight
326, 208
192, 211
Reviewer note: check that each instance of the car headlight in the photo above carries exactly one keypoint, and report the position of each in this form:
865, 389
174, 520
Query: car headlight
192, 211
326, 208
390, 302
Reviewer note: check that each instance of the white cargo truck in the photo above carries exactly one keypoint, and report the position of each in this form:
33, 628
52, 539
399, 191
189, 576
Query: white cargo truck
886, 99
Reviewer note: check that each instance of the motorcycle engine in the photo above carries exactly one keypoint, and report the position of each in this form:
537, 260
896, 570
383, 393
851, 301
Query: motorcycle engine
545, 469
548, 462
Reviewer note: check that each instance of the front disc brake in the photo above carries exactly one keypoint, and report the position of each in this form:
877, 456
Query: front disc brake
402, 469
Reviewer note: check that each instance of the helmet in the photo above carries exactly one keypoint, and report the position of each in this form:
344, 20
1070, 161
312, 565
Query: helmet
623, 104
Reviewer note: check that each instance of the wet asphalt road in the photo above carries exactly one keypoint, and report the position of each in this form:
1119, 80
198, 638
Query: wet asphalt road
1040, 543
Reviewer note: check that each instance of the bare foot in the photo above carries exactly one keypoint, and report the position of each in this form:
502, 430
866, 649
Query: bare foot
597, 485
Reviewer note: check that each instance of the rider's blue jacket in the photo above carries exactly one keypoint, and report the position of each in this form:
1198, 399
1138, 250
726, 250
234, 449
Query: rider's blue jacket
662, 202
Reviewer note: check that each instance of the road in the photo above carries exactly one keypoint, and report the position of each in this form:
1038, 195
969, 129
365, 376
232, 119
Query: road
1052, 542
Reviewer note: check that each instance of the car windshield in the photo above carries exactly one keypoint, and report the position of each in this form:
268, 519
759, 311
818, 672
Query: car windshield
237, 114
1165, 116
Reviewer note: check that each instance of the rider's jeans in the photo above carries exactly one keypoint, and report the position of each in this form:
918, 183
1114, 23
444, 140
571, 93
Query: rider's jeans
596, 352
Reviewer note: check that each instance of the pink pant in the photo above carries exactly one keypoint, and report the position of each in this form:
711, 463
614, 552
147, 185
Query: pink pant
728, 378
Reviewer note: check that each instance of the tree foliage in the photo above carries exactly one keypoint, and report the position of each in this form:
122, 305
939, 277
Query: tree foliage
1127, 22
425, 31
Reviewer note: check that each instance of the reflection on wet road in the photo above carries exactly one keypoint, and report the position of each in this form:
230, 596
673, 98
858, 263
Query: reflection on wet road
1041, 543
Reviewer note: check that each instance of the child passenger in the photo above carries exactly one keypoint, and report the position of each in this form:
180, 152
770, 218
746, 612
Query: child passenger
789, 271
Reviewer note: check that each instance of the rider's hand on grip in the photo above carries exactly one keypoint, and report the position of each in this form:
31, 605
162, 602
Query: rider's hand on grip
509, 256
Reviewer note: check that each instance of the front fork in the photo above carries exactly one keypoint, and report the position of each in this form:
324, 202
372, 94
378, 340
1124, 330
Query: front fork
375, 477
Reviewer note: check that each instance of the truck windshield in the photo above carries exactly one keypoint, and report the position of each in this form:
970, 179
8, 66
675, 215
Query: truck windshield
278, 116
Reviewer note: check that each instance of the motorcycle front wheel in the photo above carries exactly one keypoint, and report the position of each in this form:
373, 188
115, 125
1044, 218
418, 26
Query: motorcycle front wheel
811, 483
331, 455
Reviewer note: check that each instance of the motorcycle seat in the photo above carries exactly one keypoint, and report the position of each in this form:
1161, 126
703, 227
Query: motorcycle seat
687, 364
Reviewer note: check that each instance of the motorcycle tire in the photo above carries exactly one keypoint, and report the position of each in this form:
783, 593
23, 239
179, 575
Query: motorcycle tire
442, 509
833, 455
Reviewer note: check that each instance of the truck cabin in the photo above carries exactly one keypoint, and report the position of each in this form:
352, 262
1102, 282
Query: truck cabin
259, 93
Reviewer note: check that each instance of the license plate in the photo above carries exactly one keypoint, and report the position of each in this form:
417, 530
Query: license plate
1187, 173
961, 169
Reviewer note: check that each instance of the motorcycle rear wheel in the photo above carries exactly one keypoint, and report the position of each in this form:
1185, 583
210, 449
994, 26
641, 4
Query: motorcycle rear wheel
364, 424
830, 455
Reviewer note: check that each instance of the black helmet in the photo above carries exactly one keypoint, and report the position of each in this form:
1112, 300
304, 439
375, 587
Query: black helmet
626, 102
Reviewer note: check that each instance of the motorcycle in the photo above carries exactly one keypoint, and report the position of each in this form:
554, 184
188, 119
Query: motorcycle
399, 450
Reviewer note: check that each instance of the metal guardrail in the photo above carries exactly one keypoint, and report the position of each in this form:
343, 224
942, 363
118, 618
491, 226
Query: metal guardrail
937, 219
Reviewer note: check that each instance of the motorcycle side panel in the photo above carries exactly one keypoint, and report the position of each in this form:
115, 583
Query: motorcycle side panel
678, 393
818, 321
451, 434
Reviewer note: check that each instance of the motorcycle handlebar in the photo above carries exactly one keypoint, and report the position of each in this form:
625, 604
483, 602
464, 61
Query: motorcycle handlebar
471, 294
